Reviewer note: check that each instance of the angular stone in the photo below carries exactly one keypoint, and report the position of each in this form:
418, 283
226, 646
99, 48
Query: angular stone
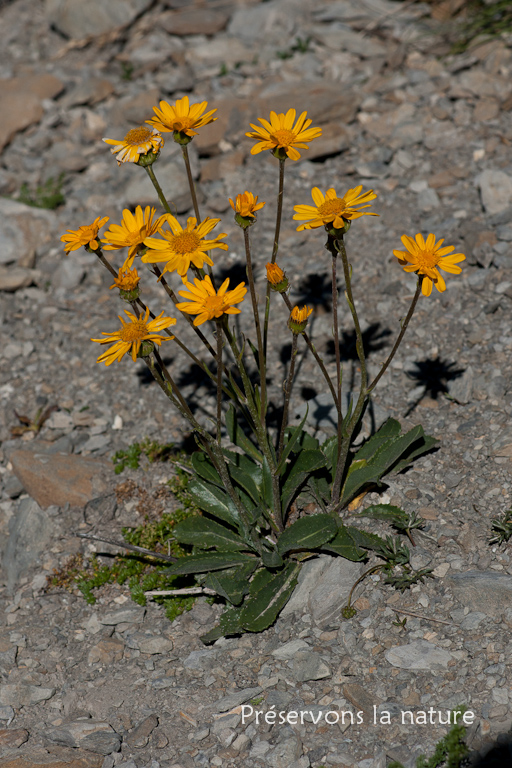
77, 19
13, 738
419, 654
308, 665
132, 615
107, 651
288, 650
14, 278
461, 388
235, 699
23, 695
58, 479
287, 751
150, 644
495, 190
173, 179
484, 591
20, 102
324, 102
139, 737
31, 531
41, 759
97, 737
188, 21
360, 698
23, 231
330, 594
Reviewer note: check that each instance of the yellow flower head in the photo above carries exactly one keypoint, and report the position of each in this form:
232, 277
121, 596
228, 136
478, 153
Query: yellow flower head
182, 247
426, 258
126, 280
281, 136
332, 209
134, 228
246, 204
181, 118
299, 319
206, 303
130, 337
87, 236
277, 278
139, 141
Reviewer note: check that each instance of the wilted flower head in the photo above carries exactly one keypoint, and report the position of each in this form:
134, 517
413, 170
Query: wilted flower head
137, 142
84, 236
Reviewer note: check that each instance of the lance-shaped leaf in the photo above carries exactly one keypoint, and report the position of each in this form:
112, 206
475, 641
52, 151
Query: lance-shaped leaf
266, 487
203, 532
386, 512
424, 444
330, 450
237, 436
231, 584
245, 463
390, 429
306, 462
205, 469
343, 544
366, 540
260, 611
271, 558
379, 464
307, 533
208, 561
292, 439
214, 500
229, 624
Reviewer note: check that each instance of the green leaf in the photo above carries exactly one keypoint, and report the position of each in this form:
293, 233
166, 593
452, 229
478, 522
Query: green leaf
205, 469
229, 624
266, 486
344, 545
202, 532
260, 581
231, 584
212, 499
237, 436
245, 463
366, 540
330, 450
423, 446
271, 558
246, 482
307, 533
389, 430
307, 461
319, 488
386, 512
208, 561
379, 464
260, 611
294, 435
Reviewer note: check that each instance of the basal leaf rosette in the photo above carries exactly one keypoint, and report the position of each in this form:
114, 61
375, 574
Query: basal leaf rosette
182, 119
141, 145
182, 247
132, 334
207, 303
333, 212
426, 258
281, 136
131, 233
86, 236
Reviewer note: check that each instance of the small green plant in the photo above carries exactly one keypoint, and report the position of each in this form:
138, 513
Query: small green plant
153, 450
450, 752
502, 528
301, 45
483, 20
398, 622
127, 70
48, 195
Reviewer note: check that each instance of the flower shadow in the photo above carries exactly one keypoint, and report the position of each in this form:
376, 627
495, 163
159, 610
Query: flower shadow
433, 374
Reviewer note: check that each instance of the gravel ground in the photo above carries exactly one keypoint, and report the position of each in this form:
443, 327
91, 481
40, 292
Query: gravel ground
430, 132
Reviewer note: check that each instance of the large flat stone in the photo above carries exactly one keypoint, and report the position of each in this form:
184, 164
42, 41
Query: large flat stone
77, 19
20, 102
59, 479
484, 591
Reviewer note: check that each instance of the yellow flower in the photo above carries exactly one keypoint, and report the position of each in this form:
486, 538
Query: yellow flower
206, 303
87, 236
333, 209
132, 232
426, 258
137, 142
281, 134
299, 319
130, 337
182, 247
126, 280
277, 278
246, 204
181, 118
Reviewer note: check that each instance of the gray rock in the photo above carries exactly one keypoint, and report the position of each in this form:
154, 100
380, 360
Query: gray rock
461, 388
308, 665
14, 278
78, 20
23, 695
130, 615
6, 713
23, 231
473, 620
288, 650
97, 737
69, 275
286, 752
150, 644
235, 699
484, 591
418, 655
172, 177
268, 21
199, 659
495, 190
31, 530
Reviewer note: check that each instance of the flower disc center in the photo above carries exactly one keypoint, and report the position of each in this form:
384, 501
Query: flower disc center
331, 208
283, 137
134, 331
427, 259
186, 242
138, 135
214, 304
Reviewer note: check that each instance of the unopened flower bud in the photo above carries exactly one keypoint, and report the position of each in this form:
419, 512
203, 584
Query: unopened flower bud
277, 278
299, 319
